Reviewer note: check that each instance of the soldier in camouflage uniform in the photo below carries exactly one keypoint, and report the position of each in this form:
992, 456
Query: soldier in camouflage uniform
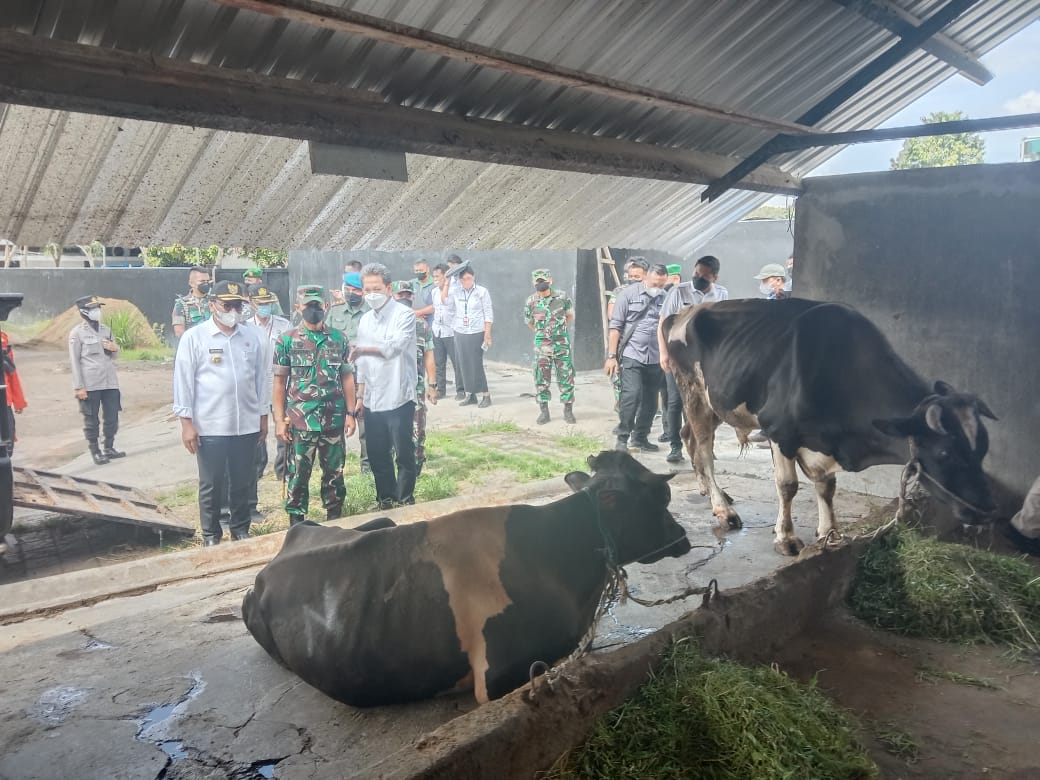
549, 313
314, 403
191, 309
425, 386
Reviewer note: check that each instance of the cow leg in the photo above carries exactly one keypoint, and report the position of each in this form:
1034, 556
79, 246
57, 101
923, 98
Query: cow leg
784, 540
704, 462
820, 469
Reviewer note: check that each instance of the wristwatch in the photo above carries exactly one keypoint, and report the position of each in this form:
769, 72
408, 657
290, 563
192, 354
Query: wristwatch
433, 385
612, 356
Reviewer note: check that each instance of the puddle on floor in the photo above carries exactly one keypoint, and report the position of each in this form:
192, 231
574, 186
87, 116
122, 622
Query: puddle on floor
55, 704
153, 725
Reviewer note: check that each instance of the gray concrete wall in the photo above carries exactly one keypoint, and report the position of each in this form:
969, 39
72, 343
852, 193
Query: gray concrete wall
945, 261
50, 291
505, 272
742, 249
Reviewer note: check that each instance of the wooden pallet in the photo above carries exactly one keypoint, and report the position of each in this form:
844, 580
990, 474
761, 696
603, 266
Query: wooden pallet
63, 494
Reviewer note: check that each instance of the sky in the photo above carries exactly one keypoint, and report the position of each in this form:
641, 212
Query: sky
1014, 89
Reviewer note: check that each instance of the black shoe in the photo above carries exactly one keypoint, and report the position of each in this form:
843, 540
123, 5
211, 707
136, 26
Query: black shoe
568, 415
621, 445
460, 396
334, 514
257, 517
643, 446
543, 415
210, 542
485, 402
664, 437
675, 456
386, 503
295, 519
100, 459
471, 400
112, 453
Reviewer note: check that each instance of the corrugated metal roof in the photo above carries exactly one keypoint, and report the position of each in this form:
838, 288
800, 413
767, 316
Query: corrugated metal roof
73, 177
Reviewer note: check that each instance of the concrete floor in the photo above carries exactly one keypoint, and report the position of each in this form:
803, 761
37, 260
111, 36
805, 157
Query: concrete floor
170, 681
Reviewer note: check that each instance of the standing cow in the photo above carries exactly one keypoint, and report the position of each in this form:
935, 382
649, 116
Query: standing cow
469, 600
825, 386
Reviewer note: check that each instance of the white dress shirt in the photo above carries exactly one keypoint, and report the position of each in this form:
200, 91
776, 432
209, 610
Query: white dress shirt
389, 380
469, 309
441, 316
220, 380
272, 330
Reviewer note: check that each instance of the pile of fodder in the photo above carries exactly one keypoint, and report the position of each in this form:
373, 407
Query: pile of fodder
130, 327
713, 719
917, 586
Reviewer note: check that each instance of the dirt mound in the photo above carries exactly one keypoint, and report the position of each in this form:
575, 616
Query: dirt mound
135, 324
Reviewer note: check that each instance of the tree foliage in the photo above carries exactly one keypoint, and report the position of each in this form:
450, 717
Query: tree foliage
177, 255
939, 151
268, 258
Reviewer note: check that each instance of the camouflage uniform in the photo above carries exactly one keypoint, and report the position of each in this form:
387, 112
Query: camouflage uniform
423, 344
313, 364
189, 311
552, 340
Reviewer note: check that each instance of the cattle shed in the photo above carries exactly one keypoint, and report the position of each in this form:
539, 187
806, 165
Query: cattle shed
942, 260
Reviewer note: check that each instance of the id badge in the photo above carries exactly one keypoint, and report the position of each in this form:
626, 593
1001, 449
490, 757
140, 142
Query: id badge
465, 321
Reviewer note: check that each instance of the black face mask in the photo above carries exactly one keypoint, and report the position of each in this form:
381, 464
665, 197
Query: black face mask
204, 288
354, 299
312, 315
701, 284
541, 286
421, 275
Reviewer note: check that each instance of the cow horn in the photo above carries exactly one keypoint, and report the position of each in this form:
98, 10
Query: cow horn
933, 416
944, 388
984, 410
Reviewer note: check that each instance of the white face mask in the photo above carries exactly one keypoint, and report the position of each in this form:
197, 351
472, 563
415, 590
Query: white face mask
653, 292
94, 315
228, 319
375, 300
765, 289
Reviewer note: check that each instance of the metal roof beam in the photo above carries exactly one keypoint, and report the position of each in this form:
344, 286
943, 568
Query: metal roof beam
71, 77
858, 81
910, 131
353, 23
894, 19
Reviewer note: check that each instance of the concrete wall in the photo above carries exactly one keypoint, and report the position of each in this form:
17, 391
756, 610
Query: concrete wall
742, 249
505, 272
50, 291
946, 262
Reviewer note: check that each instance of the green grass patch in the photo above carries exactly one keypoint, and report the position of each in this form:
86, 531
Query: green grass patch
492, 426
713, 719
931, 674
917, 586
896, 741
182, 495
455, 453
581, 442
153, 354
22, 332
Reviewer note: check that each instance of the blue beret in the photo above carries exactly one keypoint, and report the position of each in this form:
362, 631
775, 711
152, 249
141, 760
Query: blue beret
352, 279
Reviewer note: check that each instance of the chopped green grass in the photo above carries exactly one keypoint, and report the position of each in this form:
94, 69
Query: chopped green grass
713, 719
931, 674
581, 442
917, 586
896, 741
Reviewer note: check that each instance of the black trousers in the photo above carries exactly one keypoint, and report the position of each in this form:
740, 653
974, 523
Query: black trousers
107, 402
470, 354
640, 384
227, 466
443, 349
388, 431
279, 459
673, 412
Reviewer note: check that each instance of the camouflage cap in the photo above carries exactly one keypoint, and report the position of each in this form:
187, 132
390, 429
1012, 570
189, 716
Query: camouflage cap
541, 274
675, 268
310, 292
253, 272
261, 294
88, 302
228, 291
400, 287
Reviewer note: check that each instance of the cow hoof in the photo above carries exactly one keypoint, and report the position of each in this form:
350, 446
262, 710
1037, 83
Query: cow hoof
731, 522
789, 547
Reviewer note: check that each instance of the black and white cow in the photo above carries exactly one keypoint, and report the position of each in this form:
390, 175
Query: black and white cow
468, 600
825, 386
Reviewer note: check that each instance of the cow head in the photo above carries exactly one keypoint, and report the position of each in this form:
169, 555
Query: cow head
950, 441
632, 506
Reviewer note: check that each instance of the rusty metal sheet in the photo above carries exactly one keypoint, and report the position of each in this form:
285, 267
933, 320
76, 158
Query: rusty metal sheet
92, 498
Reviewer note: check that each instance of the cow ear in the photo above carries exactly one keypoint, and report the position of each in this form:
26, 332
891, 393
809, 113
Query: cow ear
898, 427
577, 480
984, 410
943, 388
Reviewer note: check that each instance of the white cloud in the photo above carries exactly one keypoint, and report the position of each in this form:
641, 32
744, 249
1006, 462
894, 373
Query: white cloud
1026, 103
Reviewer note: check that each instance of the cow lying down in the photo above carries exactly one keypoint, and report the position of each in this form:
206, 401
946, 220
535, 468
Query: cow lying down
468, 600
825, 386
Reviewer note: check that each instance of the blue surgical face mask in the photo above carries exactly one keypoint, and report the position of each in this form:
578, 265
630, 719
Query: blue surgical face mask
264, 310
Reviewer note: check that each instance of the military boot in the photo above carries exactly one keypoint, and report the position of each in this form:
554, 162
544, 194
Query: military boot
100, 459
568, 414
543, 416
111, 452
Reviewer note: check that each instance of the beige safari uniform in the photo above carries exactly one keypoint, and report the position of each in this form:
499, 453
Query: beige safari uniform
92, 367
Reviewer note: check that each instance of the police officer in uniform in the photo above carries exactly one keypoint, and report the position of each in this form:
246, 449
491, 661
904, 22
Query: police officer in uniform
314, 403
92, 357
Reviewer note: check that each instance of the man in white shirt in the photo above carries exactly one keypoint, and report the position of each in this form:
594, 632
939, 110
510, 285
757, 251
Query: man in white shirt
386, 375
702, 288
221, 392
272, 325
444, 338
469, 307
